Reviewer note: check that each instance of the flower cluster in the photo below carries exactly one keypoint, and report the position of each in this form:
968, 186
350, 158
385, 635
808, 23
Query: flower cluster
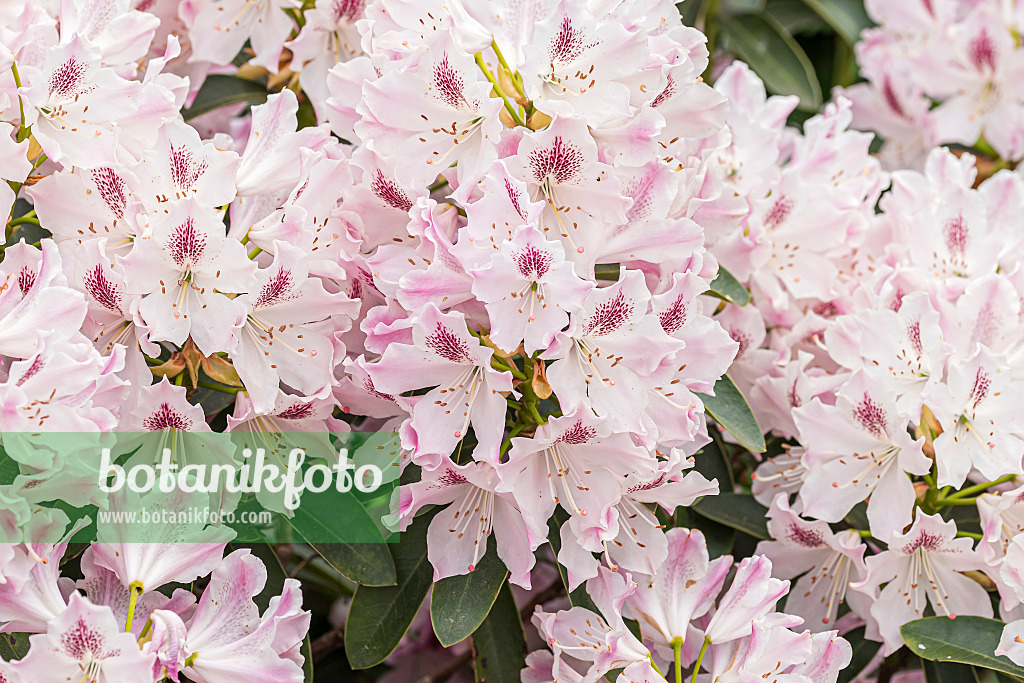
941, 72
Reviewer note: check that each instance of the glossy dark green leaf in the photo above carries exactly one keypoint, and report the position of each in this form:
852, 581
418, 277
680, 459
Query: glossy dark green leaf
948, 672
711, 462
731, 410
379, 616
774, 55
365, 562
368, 564
846, 17
307, 660
9, 468
726, 286
719, 537
222, 90
966, 640
13, 646
736, 510
793, 16
741, 6
459, 604
499, 643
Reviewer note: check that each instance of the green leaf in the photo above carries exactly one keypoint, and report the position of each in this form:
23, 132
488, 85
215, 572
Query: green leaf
948, 672
222, 90
368, 564
13, 646
711, 462
794, 17
966, 640
9, 468
306, 115
847, 17
719, 537
772, 53
379, 616
737, 510
726, 286
499, 643
741, 6
459, 604
307, 660
730, 409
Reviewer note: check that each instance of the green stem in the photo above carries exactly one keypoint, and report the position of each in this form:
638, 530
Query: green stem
145, 628
508, 439
979, 488
22, 221
943, 502
700, 658
256, 253
969, 534
653, 665
23, 132
864, 533
677, 656
224, 389
479, 58
134, 591
511, 73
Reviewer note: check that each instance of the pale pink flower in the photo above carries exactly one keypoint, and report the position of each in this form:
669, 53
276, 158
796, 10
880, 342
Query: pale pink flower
923, 566
85, 639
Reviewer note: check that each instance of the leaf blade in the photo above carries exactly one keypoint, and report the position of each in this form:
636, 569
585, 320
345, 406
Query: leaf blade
846, 17
730, 409
964, 640
725, 286
380, 616
223, 90
774, 56
499, 643
459, 604
735, 510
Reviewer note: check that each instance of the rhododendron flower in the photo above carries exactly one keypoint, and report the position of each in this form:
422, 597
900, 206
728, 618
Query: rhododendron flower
982, 428
684, 588
446, 356
828, 562
752, 595
458, 535
529, 289
857, 448
923, 566
229, 638
85, 641
572, 461
186, 266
